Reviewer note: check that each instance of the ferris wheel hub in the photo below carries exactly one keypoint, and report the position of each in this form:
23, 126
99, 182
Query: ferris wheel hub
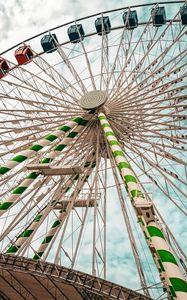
93, 99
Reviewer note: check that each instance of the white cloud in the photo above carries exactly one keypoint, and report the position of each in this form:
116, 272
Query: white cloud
22, 19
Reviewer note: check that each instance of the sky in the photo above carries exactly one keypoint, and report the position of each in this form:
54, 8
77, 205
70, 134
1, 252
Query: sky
21, 19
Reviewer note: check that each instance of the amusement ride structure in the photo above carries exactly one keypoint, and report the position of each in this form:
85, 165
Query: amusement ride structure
93, 174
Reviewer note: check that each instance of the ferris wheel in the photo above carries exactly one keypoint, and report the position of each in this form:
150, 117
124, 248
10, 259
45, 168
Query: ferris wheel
93, 158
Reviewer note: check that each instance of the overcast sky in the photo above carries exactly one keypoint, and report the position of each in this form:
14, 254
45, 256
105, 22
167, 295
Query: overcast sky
21, 19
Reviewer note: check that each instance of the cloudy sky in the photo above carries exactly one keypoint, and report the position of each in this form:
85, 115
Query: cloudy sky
21, 19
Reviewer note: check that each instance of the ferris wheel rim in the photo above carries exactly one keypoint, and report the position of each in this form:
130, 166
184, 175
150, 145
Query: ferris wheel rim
89, 16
